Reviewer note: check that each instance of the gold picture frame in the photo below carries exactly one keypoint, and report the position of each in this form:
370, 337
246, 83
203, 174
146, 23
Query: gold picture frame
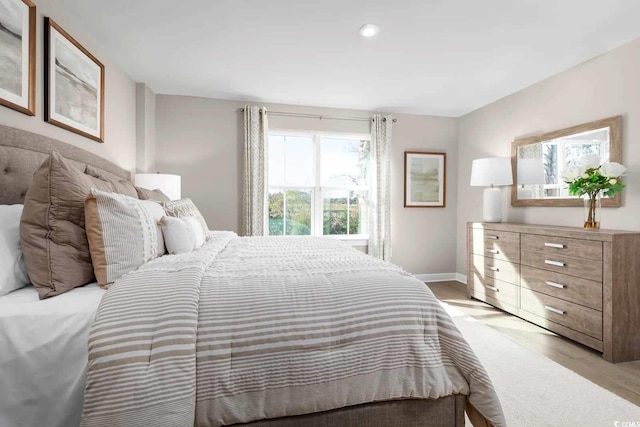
74, 84
425, 179
18, 55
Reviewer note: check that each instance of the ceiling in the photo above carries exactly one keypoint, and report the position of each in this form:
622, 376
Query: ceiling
436, 57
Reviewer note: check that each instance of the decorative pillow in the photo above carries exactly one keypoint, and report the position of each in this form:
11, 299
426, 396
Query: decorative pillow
13, 275
199, 236
182, 208
179, 236
123, 233
157, 195
120, 185
52, 235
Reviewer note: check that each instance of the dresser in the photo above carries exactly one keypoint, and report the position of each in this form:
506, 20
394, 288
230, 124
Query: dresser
582, 284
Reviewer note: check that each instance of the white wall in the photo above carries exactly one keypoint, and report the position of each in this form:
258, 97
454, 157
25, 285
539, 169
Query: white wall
202, 140
605, 86
120, 96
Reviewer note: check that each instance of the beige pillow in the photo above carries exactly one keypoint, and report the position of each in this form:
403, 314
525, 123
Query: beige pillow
123, 233
182, 208
52, 235
157, 195
120, 185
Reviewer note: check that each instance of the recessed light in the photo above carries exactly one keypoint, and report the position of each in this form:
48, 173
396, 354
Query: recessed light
369, 30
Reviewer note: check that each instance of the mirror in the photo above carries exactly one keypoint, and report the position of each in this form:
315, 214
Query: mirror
539, 161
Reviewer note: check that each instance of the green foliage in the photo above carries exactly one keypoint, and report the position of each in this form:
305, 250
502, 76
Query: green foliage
592, 182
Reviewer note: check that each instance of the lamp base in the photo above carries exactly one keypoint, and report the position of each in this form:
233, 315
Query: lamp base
492, 205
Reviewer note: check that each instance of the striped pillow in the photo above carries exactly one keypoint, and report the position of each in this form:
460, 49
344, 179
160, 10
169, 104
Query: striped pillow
123, 233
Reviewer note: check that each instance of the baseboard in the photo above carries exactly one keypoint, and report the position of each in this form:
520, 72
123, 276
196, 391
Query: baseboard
436, 277
442, 277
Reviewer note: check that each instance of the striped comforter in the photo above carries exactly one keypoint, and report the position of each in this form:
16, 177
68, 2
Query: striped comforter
251, 328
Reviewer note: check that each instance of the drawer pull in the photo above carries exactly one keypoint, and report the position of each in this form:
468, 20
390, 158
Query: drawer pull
554, 310
492, 268
554, 245
492, 251
556, 263
492, 237
555, 285
492, 288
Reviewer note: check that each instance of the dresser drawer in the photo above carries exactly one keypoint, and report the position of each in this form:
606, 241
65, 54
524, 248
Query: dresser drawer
488, 287
579, 318
496, 268
580, 291
562, 246
502, 245
578, 267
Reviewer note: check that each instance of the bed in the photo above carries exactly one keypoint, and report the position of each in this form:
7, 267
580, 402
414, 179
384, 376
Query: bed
212, 276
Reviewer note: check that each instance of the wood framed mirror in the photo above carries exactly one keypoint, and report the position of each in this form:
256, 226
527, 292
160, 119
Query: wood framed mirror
538, 162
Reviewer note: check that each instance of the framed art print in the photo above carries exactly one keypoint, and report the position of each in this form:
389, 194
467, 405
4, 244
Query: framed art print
424, 179
74, 84
18, 55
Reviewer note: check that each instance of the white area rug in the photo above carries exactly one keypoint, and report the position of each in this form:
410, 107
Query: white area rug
538, 392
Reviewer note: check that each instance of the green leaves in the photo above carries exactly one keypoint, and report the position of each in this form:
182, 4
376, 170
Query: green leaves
592, 182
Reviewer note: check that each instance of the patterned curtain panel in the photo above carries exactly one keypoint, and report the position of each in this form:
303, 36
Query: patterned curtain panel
380, 211
253, 197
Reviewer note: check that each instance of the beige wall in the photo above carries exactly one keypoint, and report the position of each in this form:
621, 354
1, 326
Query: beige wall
202, 139
145, 128
120, 96
605, 86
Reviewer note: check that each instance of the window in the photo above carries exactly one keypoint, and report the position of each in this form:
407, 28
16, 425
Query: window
317, 184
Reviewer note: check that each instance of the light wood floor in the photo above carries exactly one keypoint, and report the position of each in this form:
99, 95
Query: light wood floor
622, 379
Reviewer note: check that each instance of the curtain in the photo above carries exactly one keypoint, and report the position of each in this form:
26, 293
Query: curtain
380, 209
254, 192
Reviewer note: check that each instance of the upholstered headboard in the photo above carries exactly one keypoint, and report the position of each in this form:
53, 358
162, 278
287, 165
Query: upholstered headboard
22, 152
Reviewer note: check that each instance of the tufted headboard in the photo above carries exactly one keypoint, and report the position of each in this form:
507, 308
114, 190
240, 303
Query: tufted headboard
22, 152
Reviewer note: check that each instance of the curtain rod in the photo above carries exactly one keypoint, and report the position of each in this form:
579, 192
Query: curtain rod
320, 117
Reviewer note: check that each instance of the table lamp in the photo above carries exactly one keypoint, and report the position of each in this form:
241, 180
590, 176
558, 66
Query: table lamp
168, 184
491, 172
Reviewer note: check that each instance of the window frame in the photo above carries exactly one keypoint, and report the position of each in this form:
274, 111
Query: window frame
318, 188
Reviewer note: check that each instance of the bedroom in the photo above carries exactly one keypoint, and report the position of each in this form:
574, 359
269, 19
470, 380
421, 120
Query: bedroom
197, 133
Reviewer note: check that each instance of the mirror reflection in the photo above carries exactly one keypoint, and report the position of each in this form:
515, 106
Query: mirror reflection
539, 161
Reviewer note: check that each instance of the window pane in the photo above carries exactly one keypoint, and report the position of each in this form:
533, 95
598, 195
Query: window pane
344, 213
345, 162
275, 159
289, 212
290, 160
298, 212
276, 213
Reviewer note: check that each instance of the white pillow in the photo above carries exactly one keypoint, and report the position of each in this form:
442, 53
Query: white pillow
196, 230
179, 236
13, 274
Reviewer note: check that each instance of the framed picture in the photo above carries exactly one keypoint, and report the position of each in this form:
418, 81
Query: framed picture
74, 84
18, 55
425, 180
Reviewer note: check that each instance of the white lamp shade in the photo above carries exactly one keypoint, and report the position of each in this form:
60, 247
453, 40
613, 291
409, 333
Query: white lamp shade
530, 171
491, 171
168, 184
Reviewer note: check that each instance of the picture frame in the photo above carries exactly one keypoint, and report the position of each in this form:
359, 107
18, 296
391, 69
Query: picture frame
425, 179
18, 55
74, 84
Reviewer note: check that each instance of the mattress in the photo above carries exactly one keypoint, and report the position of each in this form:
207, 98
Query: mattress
43, 356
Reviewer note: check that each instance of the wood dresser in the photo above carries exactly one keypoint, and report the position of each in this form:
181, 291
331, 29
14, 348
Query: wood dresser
582, 284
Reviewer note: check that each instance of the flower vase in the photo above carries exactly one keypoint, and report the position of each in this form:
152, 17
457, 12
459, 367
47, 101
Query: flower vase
592, 205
